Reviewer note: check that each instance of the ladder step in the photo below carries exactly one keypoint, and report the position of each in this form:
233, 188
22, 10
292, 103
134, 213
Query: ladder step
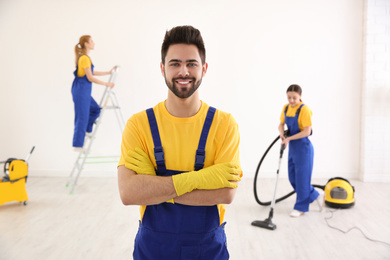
111, 107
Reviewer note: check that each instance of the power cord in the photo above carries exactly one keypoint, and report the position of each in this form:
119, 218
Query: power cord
345, 232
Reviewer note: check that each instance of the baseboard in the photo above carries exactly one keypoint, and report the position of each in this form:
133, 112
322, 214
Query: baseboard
315, 175
375, 178
84, 173
113, 173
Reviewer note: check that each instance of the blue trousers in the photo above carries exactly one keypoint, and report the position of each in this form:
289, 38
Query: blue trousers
86, 111
300, 167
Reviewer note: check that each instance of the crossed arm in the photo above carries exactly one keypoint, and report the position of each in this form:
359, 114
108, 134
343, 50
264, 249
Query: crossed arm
139, 189
145, 188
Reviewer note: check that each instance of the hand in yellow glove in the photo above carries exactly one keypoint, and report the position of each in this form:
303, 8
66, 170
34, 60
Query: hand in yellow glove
217, 176
139, 162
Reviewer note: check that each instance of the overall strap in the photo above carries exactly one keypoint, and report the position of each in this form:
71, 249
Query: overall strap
297, 113
299, 110
158, 150
201, 153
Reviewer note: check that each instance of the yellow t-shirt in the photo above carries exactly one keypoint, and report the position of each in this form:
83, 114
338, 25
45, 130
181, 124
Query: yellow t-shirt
180, 139
304, 119
83, 63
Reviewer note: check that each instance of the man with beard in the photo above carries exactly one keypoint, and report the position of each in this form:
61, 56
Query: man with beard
180, 161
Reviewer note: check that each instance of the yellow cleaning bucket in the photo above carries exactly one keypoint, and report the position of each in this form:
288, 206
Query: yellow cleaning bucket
13, 184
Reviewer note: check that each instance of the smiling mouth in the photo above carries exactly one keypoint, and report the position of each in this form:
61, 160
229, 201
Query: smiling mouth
183, 82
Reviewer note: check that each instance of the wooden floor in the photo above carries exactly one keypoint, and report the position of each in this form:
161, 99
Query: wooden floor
93, 224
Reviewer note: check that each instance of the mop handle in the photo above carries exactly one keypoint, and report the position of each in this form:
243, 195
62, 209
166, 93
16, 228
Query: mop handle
28, 156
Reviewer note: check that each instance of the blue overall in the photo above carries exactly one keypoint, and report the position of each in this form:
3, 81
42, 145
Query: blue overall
174, 231
300, 165
85, 107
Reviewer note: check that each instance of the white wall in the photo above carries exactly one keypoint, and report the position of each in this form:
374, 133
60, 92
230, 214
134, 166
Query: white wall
255, 50
375, 148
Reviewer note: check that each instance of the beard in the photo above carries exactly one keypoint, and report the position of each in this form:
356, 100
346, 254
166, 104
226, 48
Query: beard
183, 92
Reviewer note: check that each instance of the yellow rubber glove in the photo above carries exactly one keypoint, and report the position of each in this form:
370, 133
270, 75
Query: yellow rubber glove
139, 162
214, 177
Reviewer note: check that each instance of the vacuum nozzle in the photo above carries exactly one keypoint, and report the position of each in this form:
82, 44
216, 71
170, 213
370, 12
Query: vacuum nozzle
267, 223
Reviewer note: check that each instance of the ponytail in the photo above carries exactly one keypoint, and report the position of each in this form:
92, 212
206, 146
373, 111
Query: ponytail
80, 49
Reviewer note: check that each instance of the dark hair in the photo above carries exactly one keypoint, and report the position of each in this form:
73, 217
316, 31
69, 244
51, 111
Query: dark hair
183, 34
295, 88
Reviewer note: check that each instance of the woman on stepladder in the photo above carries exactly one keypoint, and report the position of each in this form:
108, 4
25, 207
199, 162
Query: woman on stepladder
297, 117
85, 107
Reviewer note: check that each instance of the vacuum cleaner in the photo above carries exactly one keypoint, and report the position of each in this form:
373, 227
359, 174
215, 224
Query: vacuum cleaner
267, 223
339, 193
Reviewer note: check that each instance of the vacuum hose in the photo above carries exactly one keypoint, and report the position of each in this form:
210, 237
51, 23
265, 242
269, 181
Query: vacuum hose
257, 173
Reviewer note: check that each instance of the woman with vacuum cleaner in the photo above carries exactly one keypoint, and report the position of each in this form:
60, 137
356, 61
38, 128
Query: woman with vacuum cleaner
297, 117
85, 107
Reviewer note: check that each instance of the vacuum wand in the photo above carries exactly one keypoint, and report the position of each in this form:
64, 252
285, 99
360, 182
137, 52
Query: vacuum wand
267, 223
